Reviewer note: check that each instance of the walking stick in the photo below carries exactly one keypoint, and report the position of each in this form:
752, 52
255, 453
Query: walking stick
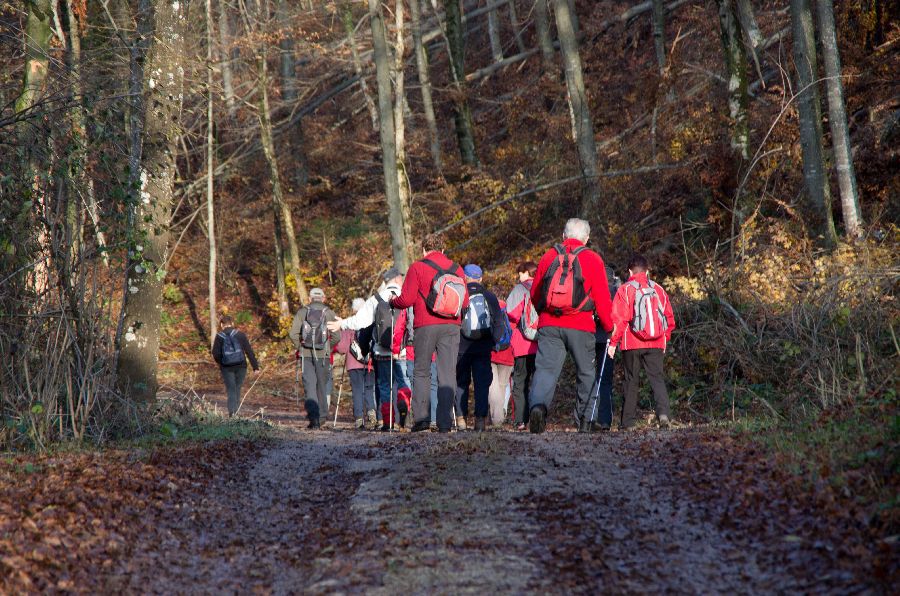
340, 391
391, 376
599, 380
255, 381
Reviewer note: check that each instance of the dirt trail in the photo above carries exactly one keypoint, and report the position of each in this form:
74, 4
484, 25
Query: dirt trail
345, 511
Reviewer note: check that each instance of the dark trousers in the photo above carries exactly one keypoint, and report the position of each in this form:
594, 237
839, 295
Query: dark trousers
363, 391
651, 359
473, 367
316, 372
443, 340
553, 344
600, 407
234, 377
523, 372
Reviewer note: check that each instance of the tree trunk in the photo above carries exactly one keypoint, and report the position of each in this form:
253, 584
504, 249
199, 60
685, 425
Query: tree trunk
516, 27
399, 242
401, 108
582, 125
494, 34
542, 27
573, 16
148, 251
465, 134
810, 113
38, 31
286, 54
736, 65
837, 119
425, 85
227, 57
347, 18
658, 16
210, 171
284, 220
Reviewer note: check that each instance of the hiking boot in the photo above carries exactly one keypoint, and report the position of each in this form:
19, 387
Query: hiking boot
360, 424
420, 426
664, 422
314, 424
460, 423
597, 427
402, 419
537, 420
432, 426
584, 427
372, 419
479, 424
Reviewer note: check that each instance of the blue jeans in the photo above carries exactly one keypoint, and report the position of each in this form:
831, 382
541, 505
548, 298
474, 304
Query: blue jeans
476, 368
383, 378
363, 392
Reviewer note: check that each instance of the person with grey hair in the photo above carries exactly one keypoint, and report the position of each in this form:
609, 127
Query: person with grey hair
569, 288
361, 380
313, 342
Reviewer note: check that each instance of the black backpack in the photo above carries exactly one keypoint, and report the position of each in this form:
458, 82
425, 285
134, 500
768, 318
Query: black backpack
314, 334
232, 352
384, 323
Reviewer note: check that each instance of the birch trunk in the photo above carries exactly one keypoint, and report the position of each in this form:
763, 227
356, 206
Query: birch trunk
399, 242
736, 65
210, 171
573, 16
582, 125
545, 42
227, 57
516, 28
810, 113
425, 85
401, 108
347, 18
465, 134
494, 34
837, 120
148, 250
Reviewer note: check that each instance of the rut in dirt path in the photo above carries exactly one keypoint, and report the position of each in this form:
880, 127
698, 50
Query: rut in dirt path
461, 513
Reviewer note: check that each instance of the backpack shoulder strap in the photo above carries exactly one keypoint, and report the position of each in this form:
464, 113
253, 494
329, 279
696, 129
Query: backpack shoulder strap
634, 285
379, 299
559, 248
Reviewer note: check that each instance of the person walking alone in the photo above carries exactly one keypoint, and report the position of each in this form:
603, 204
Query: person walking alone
231, 350
570, 287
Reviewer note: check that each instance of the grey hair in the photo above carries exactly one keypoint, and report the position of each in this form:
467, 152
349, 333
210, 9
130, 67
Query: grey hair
357, 304
578, 229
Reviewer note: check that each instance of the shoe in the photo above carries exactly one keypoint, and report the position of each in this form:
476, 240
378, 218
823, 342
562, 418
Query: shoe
420, 426
584, 427
359, 424
537, 420
443, 430
664, 422
521, 426
596, 427
314, 424
479, 424
432, 426
402, 419
371, 419
460, 423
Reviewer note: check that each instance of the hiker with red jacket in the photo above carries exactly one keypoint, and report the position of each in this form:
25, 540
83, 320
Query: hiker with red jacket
523, 317
644, 323
435, 289
570, 286
404, 337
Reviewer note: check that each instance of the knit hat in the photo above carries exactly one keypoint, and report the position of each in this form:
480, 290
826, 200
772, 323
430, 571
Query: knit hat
317, 294
391, 274
473, 271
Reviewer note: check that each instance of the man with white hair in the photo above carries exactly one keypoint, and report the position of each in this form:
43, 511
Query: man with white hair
569, 287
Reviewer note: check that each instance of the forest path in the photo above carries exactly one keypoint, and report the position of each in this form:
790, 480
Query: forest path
349, 511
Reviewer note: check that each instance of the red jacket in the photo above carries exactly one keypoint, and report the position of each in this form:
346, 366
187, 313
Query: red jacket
521, 345
417, 286
504, 357
594, 272
623, 312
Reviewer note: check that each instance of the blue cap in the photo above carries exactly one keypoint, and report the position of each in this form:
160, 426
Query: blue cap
473, 271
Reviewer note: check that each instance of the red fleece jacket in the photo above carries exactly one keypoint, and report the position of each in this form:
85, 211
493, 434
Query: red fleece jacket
417, 286
623, 312
594, 272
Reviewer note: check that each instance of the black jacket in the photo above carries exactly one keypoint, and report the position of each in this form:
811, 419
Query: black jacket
485, 344
244, 343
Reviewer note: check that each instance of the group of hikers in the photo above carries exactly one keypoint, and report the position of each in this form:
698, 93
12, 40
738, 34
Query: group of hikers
423, 338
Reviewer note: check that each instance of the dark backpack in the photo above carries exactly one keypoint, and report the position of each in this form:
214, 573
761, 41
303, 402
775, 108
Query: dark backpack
384, 323
448, 290
506, 338
314, 334
232, 352
562, 288
476, 322
364, 341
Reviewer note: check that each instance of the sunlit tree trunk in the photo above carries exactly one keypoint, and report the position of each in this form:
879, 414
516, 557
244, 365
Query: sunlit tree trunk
494, 34
148, 250
465, 134
736, 65
542, 27
810, 113
837, 120
401, 108
227, 59
347, 19
425, 85
582, 125
573, 16
210, 205
399, 242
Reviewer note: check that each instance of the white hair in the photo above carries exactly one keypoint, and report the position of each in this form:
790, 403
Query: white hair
578, 229
357, 304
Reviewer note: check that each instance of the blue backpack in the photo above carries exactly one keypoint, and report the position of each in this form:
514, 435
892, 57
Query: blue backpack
506, 338
232, 353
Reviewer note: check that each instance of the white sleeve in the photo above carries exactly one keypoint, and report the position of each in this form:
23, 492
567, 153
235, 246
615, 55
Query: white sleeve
363, 318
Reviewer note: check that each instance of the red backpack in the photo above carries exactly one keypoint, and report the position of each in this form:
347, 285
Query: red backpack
448, 290
562, 288
649, 320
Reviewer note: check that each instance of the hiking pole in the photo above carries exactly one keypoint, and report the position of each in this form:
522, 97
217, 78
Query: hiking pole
599, 380
391, 376
340, 391
255, 381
